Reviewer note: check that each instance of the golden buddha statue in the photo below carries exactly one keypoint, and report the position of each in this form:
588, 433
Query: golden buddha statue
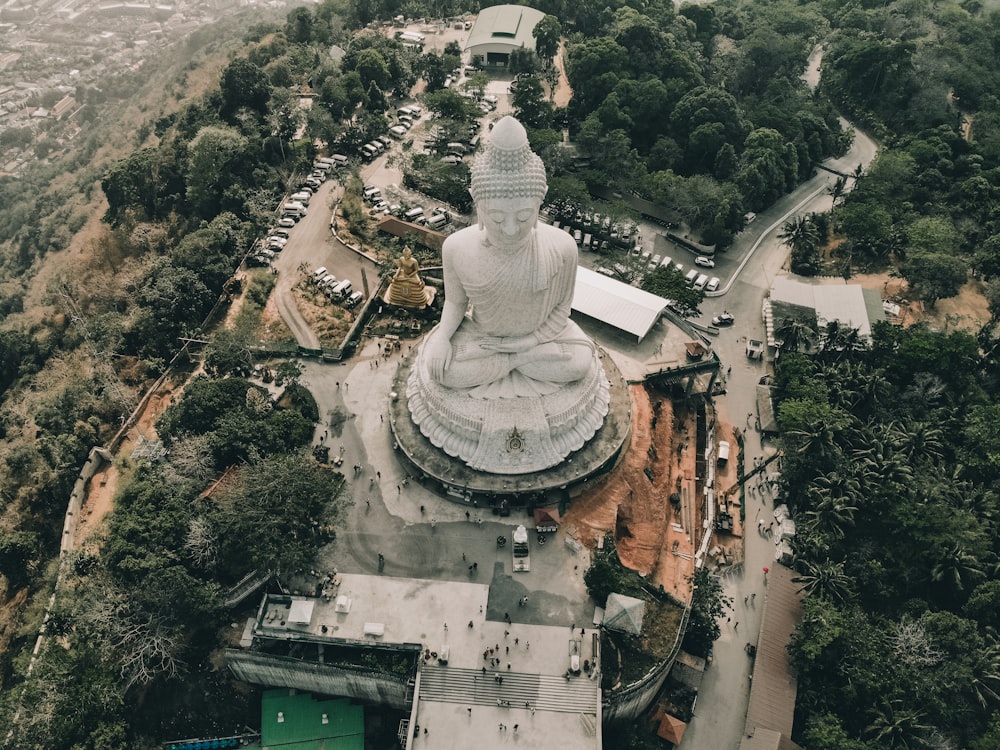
407, 289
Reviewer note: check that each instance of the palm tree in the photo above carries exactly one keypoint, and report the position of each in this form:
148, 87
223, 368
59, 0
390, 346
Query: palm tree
792, 335
921, 442
832, 513
803, 237
800, 234
957, 568
837, 189
825, 579
817, 438
881, 466
837, 340
985, 683
896, 727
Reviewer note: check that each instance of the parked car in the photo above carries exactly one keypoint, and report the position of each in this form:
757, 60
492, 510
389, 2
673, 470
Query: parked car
286, 221
713, 284
704, 262
723, 319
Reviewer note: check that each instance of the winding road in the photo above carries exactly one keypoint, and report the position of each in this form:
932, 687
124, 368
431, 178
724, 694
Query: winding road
724, 695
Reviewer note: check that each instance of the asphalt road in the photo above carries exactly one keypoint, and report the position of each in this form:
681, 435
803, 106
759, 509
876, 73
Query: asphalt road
312, 245
751, 263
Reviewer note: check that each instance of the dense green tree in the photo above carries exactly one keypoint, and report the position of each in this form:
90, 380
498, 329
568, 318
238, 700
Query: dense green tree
707, 608
826, 580
547, 33
986, 261
594, 67
298, 26
218, 155
669, 283
530, 105
933, 234
276, 512
244, 85
934, 275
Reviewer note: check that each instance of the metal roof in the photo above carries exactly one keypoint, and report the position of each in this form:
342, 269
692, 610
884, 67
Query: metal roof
847, 304
620, 305
774, 686
508, 25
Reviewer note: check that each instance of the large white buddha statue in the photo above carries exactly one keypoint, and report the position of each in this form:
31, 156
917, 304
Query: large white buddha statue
507, 381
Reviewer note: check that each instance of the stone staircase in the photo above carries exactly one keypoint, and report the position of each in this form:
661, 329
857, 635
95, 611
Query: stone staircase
445, 684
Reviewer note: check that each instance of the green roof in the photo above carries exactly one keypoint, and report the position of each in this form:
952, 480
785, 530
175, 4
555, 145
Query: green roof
302, 727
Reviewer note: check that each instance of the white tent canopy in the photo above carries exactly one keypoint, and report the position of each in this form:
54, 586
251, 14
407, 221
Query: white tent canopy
615, 303
624, 613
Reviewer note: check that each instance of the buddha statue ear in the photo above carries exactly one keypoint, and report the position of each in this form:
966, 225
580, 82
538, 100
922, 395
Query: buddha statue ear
479, 215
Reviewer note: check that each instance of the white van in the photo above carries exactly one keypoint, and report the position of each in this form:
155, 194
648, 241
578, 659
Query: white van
701, 282
437, 221
302, 197
343, 289
294, 208
319, 273
338, 160
414, 214
398, 132
354, 299
691, 276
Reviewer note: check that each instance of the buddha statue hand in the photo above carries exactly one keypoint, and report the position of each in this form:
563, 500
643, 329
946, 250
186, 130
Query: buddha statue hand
509, 344
437, 351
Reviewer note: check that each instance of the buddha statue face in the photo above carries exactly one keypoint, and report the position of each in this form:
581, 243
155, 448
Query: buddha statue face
508, 222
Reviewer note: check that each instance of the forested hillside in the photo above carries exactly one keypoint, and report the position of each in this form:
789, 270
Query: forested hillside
891, 450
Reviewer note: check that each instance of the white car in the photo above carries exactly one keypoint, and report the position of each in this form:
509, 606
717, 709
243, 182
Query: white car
701, 260
713, 284
286, 221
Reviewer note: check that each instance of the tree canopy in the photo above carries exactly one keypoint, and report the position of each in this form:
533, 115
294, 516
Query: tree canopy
888, 474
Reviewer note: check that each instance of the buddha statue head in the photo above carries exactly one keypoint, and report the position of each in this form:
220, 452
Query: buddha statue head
508, 184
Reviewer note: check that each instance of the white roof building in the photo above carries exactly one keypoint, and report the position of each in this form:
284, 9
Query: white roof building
501, 29
615, 303
817, 305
